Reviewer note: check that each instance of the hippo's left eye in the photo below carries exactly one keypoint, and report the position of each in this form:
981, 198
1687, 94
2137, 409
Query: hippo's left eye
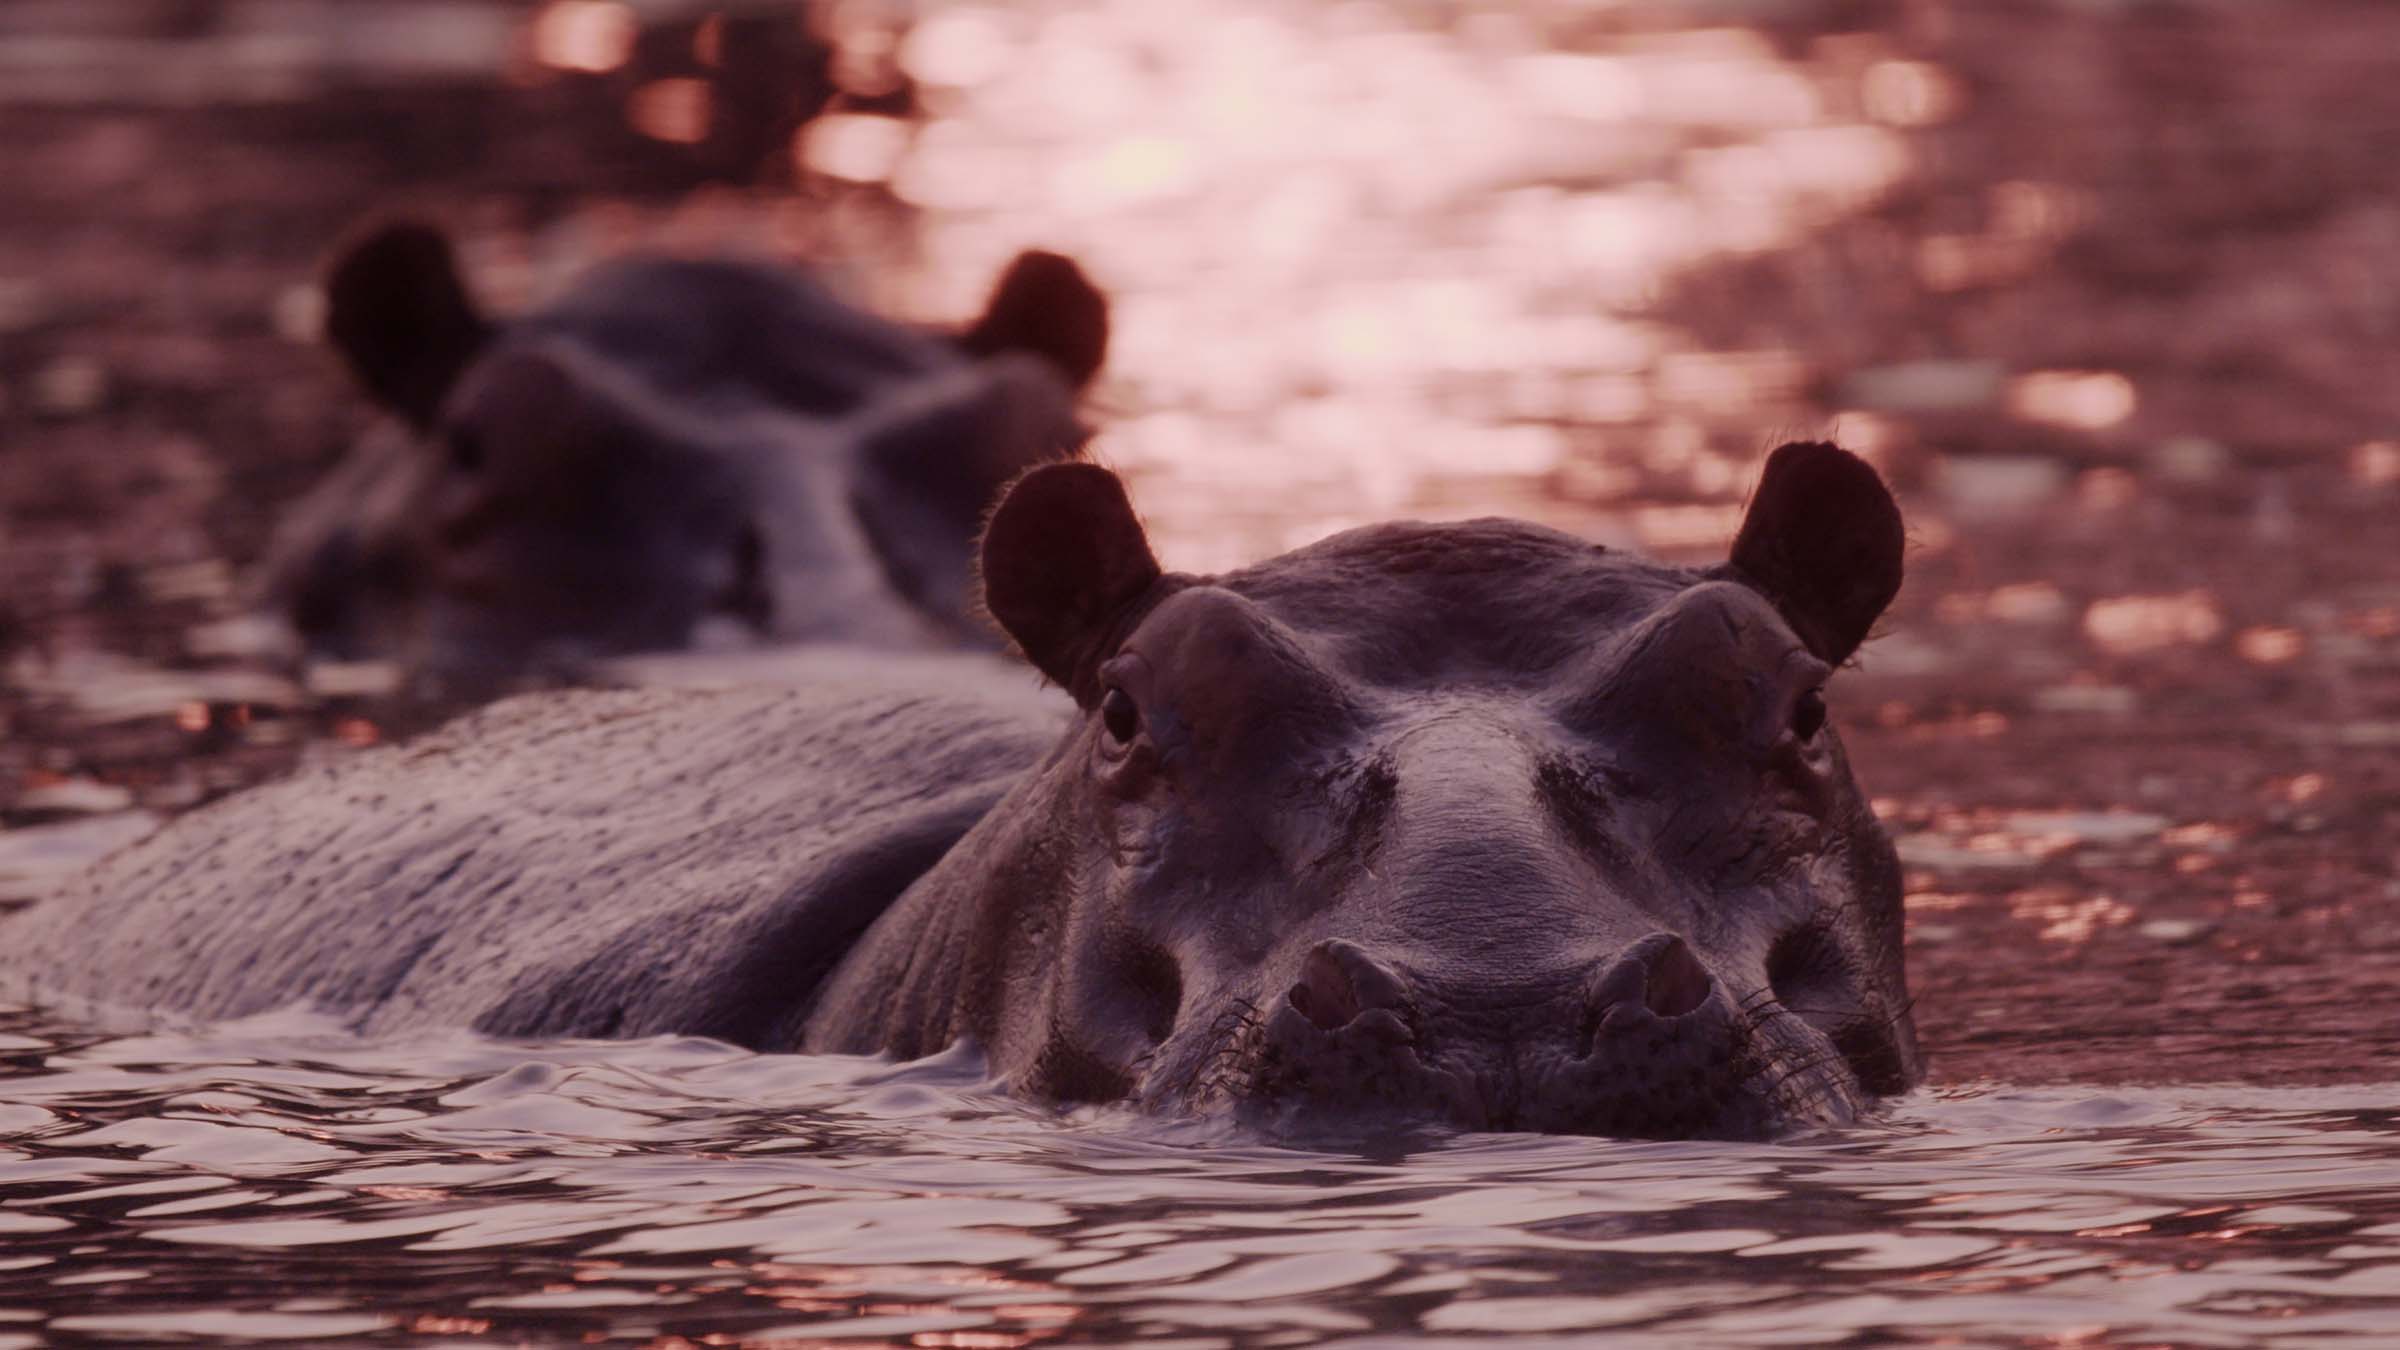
1119, 715
1808, 715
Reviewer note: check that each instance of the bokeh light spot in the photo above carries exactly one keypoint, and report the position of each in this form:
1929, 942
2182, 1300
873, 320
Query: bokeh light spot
957, 49
2269, 646
2087, 400
2133, 624
2376, 464
1909, 93
857, 147
675, 111
587, 35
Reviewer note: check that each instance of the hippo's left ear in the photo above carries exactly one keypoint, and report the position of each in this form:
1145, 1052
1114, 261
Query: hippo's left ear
397, 310
1063, 560
1822, 539
1045, 305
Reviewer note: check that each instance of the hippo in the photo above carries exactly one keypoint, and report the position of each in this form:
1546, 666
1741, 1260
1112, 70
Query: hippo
1470, 825
675, 451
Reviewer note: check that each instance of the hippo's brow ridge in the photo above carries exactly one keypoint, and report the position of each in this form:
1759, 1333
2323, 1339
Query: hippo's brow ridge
1364, 804
1579, 803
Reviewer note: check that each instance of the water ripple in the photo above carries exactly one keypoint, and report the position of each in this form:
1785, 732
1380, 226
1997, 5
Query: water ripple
280, 1179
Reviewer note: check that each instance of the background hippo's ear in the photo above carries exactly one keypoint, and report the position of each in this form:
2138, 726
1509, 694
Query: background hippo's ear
1822, 539
1045, 305
1063, 559
399, 314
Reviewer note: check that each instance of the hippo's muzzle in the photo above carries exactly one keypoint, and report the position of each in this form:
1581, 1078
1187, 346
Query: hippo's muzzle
1652, 1046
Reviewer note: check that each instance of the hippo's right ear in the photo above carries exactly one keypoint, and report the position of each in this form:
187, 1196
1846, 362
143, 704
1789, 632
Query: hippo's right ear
1822, 540
399, 314
1045, 305
1063, 560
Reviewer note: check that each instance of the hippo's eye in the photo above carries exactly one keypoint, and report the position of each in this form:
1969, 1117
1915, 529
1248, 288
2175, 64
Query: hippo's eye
1119, 715
1808, 715
466, 451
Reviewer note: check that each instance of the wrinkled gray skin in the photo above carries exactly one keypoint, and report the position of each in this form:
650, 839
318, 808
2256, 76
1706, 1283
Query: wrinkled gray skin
572, 863
1470, 825
674, 451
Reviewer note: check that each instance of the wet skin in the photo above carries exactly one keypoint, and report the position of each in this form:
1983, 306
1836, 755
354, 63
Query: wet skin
1476, 823
673, 451
1470, 825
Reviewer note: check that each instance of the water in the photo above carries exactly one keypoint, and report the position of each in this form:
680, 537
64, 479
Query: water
278, 1179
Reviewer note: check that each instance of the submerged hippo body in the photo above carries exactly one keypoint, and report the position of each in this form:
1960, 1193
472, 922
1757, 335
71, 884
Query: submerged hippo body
580, 862
674, 448
1474, 824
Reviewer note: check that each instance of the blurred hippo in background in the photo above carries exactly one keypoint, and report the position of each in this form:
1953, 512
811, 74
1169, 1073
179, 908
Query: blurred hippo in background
1472, 825
673, 452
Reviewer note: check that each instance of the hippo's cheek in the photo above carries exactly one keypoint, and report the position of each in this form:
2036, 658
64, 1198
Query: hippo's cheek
1116, 1002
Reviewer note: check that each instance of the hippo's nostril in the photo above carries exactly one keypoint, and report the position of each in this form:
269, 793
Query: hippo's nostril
1676, 982
1658, 977
1324, 995
1338, 981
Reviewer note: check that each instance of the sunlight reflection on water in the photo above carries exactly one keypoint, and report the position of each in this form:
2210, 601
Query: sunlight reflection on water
681, 1188
1367, 267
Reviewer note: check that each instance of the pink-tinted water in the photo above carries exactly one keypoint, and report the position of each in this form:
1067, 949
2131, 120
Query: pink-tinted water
281, 1181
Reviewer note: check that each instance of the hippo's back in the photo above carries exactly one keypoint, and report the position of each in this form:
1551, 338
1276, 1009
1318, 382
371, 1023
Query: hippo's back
595, 863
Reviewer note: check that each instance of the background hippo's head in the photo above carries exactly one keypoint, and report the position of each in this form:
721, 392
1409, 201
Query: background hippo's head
1475, 823
671, 442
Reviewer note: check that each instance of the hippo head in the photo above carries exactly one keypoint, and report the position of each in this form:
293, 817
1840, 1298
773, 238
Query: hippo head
669, 443
1475, 824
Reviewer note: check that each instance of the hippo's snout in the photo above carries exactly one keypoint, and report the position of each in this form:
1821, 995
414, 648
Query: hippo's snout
1650, 1045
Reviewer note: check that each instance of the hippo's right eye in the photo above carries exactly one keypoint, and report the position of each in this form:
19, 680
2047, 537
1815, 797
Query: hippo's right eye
466, 451
1119, 715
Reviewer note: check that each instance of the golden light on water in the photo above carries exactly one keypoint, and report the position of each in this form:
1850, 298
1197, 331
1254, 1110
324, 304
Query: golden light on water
595, 36
1579, 85
2269, 646
2028, 602
2067, 916
676, 111
1910, 93
855, 147
2133, 624
2304, 787
1244, 186
2107, 489
956, 49
2087, 400
2376, 464
1681, 529
2027, 210
1131, 169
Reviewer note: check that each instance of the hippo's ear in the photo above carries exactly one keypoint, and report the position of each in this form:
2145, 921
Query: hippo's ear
1045, 305
399, 314
1063, 560
1822, 539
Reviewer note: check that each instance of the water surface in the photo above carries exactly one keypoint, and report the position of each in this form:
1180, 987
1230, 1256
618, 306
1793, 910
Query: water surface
278, 1179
